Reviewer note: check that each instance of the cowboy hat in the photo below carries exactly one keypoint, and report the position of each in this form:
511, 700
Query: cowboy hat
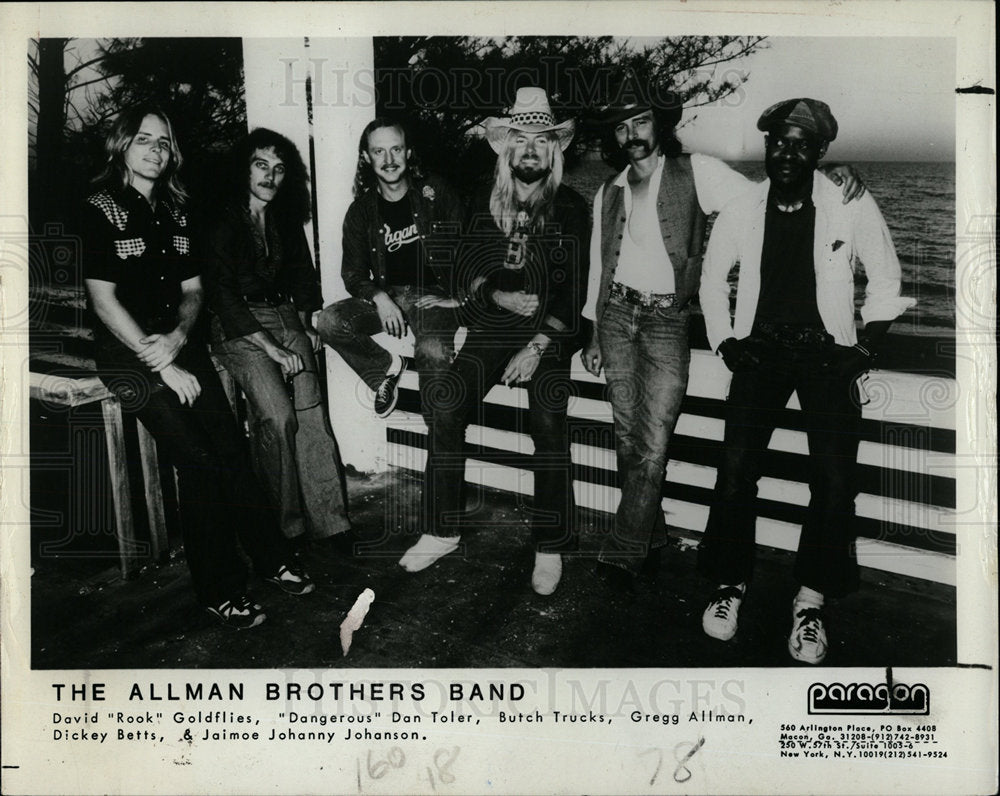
530, 113
630, 97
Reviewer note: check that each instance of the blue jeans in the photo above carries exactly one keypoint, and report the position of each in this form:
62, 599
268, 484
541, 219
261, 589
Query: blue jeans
293, 448
348, 325
831, 412
476, 369
646, 357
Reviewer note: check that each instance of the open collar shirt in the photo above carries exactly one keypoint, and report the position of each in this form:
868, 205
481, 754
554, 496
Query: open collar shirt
844, 236
716, 185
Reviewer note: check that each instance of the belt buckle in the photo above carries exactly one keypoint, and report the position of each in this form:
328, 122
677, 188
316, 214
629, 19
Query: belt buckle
658, 301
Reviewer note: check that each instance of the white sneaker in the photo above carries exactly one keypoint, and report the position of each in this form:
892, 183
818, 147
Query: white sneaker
427, 550
547, 573
720, 618
808, 640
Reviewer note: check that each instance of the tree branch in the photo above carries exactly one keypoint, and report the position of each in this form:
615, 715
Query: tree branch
82, 66
75, 86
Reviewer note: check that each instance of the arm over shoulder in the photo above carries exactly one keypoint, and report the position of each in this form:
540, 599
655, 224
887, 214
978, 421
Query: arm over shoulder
716, 183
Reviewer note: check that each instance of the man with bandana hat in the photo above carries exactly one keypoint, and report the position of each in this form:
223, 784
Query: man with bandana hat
648, 234
797, 245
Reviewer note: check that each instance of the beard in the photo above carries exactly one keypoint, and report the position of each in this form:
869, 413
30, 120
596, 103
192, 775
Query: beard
529, 174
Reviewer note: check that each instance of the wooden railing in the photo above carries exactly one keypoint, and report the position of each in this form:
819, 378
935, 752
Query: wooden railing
906, 519
906, 503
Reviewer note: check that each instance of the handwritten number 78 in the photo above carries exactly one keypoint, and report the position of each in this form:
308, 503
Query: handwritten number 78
683, 752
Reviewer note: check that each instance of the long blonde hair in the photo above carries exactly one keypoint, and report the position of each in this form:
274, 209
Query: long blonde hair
115, 173
503, 202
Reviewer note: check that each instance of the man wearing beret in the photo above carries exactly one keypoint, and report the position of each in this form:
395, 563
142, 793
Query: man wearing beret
797, 245
648, 235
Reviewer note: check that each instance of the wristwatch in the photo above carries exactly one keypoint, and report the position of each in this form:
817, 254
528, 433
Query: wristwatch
537, 347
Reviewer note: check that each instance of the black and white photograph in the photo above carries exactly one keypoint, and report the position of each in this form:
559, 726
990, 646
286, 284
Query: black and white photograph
393, 373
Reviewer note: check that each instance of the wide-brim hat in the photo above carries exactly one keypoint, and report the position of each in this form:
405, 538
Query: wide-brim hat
530, 113
631, 99
811, 115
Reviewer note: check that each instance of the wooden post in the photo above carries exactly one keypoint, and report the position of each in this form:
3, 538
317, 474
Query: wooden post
154, 494
114, 436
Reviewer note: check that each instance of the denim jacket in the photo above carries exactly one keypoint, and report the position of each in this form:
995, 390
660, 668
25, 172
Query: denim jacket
437, 214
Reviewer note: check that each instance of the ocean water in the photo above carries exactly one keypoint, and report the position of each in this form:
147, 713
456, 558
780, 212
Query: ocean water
918, 203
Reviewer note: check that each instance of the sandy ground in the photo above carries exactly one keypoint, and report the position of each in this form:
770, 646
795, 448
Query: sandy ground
474, 608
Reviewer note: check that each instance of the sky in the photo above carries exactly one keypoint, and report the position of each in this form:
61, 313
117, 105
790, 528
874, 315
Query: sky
893, 98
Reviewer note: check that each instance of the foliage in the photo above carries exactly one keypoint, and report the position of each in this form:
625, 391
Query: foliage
198, 82
444, 87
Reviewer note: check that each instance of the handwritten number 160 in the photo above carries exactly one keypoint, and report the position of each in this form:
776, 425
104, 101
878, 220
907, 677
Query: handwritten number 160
395, 759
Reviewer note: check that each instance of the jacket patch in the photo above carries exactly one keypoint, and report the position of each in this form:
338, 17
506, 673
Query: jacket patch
114, 212
177, 215
182, 244
131, 247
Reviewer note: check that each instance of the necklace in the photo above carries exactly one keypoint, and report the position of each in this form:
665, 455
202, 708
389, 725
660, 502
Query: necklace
786, 207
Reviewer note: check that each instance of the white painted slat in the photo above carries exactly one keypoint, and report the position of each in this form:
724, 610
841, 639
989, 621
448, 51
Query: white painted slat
873, 553
895, 397
796, 493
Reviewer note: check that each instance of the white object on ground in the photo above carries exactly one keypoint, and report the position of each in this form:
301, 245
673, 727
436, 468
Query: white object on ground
355, 618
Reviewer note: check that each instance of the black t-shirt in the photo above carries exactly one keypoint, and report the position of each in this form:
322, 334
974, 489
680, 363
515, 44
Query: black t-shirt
403, 260
787, 270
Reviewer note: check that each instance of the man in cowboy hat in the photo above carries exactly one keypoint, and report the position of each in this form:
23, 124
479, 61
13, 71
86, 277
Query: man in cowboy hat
797, 245
649, 229
398, 266
524, 257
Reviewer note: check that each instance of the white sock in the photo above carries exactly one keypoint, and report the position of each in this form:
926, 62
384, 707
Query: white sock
741, 586
547, 572
808, 597
395, 365
427, 550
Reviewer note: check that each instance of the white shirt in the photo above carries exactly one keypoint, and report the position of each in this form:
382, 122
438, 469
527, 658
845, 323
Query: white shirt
715, 183
843, 236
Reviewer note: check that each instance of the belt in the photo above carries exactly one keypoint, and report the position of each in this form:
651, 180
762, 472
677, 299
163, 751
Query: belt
641, 298
792, 334
270, 297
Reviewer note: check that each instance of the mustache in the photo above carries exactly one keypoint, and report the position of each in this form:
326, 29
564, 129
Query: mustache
635, 142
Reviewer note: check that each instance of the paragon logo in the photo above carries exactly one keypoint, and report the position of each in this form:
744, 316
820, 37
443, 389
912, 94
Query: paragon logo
865, 699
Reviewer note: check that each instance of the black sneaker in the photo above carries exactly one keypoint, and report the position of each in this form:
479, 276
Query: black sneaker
291, 581
239, 613
387, 393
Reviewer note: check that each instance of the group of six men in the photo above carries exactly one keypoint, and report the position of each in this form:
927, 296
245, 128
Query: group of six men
518, 265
